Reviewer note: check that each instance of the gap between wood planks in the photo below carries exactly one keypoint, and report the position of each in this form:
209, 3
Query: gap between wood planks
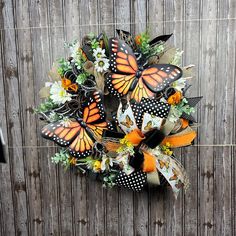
197, 145
117, 23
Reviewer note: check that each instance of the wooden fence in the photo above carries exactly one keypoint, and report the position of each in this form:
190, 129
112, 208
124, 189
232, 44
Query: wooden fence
39, 198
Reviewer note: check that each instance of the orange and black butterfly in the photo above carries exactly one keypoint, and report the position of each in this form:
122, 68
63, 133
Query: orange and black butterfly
79, 134
127, 75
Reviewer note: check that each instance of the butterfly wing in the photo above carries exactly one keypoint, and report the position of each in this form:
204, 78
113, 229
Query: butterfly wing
82, 145
122, 58
127, 37
73, 136
94, 118
141, 91
94, 115
61, 134
158, 77
123, 65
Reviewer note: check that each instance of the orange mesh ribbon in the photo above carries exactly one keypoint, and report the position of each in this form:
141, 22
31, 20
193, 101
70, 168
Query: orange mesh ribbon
181, 139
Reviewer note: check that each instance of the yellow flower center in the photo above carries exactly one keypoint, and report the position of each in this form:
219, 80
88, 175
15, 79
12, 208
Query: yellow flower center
62, 93
101, 63
97, 165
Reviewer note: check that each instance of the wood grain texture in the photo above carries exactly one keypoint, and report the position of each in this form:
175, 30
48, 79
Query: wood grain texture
40, 198
6, 206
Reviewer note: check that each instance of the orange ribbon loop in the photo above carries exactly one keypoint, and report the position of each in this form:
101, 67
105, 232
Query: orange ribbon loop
135, 137
181, 139
149, 163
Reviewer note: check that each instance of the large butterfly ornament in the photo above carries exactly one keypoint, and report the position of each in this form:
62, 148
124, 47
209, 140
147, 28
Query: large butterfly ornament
127, 75
80, 134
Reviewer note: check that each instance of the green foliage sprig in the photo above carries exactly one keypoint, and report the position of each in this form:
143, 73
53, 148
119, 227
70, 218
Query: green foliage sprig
46, 106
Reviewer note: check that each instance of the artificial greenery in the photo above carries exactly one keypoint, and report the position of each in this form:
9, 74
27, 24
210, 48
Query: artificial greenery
46, 106
81, 78
62, 157
63, 66
109, 179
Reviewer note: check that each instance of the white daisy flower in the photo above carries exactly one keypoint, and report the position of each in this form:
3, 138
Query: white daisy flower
106, 163
99, 53
179, 84
101, 64
58, 94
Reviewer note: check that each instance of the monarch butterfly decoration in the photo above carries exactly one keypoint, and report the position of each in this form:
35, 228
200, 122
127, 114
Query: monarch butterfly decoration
148, 126
128, 122
80, 133
175, 175
127, 75
164, 164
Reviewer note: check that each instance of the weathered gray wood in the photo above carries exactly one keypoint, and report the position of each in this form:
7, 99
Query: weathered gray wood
232, 76
6, 207
190, 154
138, 16
47, 170
208, 76
13, 114
174, 23
26, 73
39, 198
57, 37
224, 123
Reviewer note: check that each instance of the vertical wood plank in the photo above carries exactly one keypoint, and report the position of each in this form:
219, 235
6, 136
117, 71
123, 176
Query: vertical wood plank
64, 188
207, 75
138, 16
232, 76
41, 66
7, 223
224, 122
190, 154
155, 17
26, 80
13, 114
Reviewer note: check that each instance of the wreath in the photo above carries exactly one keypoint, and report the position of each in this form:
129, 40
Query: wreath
128, 138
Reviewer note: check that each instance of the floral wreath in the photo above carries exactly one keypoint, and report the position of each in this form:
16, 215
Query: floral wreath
132, 144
